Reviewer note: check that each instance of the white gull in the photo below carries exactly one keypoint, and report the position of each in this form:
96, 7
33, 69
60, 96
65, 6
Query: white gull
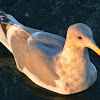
50, 61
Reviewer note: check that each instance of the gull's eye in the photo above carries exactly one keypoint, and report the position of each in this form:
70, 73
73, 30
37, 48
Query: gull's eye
79, 37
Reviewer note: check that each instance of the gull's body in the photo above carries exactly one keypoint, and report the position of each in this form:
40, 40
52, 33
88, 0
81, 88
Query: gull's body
50, 61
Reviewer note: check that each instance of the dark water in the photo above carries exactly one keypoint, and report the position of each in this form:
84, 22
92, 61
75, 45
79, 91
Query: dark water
53, 16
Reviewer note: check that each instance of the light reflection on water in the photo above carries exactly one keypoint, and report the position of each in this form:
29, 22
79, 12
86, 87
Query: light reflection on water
16, 86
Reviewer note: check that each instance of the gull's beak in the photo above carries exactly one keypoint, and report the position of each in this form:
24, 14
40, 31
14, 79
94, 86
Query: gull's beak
92, 45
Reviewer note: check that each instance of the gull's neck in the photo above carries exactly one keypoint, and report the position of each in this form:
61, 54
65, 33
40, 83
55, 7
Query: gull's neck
74, 53
72, 66
73, 57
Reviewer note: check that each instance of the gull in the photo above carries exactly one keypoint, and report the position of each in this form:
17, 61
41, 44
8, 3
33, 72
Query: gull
50, 61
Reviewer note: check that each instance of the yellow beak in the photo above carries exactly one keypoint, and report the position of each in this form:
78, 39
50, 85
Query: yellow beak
94, 47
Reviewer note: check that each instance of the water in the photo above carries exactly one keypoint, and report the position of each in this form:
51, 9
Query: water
53, 16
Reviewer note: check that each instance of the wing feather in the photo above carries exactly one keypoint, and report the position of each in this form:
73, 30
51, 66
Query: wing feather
28, 53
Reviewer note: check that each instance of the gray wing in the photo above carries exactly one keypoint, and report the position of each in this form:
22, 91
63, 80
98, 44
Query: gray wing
45, 37
36, 56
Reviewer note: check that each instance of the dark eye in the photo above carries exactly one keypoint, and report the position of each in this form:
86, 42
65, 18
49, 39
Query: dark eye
79, 37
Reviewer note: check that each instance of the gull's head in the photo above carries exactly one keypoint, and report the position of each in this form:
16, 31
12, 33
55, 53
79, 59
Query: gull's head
81, 35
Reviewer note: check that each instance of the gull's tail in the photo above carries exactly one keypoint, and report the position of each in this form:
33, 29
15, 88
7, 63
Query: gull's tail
5, 23
8, 19
4, 18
